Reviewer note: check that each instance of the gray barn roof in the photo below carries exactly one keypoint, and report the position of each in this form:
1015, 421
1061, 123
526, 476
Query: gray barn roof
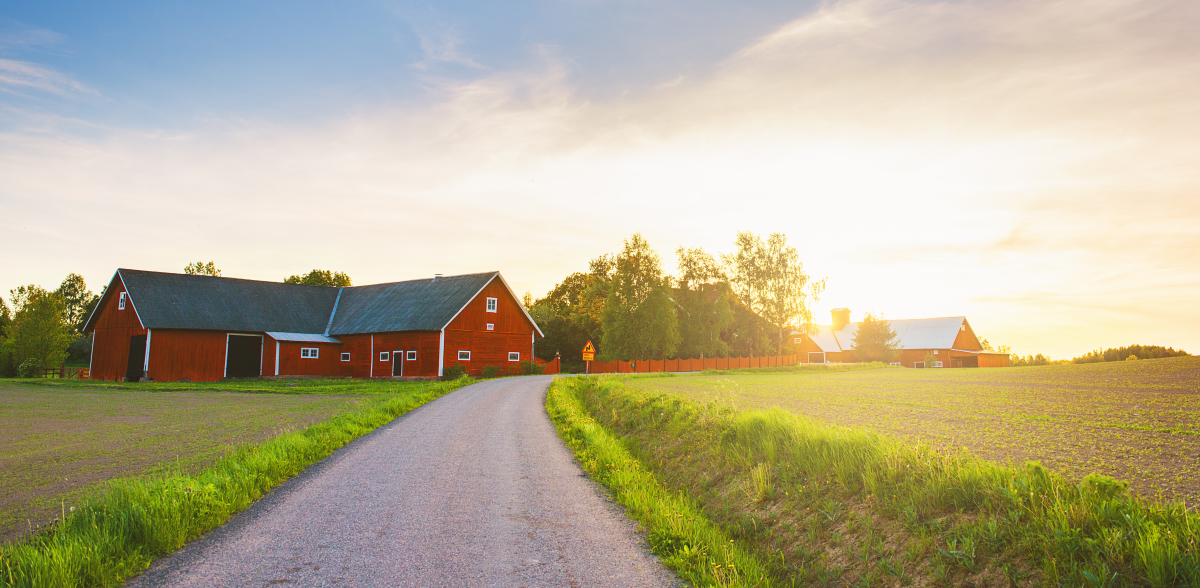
180, 301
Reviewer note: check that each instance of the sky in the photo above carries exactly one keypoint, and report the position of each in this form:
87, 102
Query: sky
1031, 165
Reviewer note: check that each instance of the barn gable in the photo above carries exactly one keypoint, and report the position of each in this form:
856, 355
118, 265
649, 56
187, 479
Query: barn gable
414, 305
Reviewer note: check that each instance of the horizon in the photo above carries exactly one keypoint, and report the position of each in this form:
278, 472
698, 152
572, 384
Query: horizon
1029, 167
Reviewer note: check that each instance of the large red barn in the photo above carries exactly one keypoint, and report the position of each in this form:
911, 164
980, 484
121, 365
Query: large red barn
172, 327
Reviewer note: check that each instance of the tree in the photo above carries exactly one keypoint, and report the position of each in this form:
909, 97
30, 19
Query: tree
639, 315
770, 280
875, 340
704, 299
570, 314
320, 278
78, 301
5, 317
201, 269
39, 331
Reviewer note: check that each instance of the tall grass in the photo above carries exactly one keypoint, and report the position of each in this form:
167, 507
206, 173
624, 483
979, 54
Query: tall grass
966, 516
678, 531
118, 533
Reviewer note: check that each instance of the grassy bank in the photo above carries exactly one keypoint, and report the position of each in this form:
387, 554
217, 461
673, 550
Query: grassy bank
118, 533
817, 504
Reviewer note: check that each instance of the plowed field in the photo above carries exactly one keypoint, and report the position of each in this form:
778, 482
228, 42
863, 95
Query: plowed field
1136, 420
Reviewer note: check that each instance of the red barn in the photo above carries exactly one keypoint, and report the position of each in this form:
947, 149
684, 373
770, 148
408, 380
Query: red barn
172, 327
949, 340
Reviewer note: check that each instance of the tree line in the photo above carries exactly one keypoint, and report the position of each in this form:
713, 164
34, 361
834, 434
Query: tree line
743, 303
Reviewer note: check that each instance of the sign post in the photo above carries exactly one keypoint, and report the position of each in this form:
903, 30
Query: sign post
589, 354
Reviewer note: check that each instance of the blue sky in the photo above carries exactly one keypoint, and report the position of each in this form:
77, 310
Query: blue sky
1029, 165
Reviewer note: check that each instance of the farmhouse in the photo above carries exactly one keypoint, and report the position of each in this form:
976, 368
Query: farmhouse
950, 339
176, 327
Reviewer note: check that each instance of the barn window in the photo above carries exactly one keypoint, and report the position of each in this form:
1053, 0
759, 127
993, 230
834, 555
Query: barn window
491, 326
309, 352
345, 357
464, 356
894, 363
514, 356
962, 328
412, 356
383, 356
491, 305
796, 340
937, 364
121, 302
935, 351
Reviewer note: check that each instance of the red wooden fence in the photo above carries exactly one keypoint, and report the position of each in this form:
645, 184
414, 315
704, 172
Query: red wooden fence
689, 365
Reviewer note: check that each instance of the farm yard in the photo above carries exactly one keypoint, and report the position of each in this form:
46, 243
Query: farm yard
63, 440
1137, 421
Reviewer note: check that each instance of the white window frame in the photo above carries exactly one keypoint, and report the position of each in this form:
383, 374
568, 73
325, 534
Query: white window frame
412, 356
310, 352
935, 351
491, 326
514, 356
894, 363
493, 304
464, 355
385, 356
937, 364
345, 356
796, 340
121, 301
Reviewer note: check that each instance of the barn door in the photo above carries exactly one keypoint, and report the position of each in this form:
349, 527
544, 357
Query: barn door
137, 358
397, 364
243, 357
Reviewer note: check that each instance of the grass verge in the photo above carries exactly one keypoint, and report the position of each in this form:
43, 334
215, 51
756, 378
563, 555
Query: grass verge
136, 520
817, 504
677, 530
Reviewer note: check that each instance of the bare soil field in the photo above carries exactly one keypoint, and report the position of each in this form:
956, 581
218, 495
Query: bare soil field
1137, 420
59, 443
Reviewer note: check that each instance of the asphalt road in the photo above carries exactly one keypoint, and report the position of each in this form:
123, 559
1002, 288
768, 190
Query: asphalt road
473, 489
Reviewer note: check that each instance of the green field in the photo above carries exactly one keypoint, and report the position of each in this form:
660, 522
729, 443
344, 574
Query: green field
1135, 420
63, 440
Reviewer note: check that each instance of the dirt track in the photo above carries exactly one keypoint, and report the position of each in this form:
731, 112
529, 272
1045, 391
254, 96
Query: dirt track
474, 489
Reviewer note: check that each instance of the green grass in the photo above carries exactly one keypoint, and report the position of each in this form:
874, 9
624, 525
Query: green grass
118, 533
819, 504
1135, 420
281, 386
678, 531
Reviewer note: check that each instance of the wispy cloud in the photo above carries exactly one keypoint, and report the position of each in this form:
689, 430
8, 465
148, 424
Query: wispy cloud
443, 46
22, 76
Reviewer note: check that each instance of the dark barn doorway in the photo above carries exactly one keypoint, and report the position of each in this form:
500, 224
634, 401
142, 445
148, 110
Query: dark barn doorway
397, 364
815, 357
243, 356
137, 358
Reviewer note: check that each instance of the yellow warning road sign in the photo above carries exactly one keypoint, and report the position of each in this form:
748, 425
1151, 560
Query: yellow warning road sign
589, 352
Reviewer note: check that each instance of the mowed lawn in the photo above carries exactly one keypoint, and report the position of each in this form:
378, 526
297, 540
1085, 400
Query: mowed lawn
1136, 420
59, 443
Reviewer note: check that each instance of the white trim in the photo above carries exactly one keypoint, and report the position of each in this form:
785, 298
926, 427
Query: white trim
384, 356
129, 298
510, 292
401, 352
937, 364
121, 300
146, 359
276, 357
493, 302
412, 353
491, 326
372, 356
225, 368
442, 352
510, 355
313, 353
333, 312
461, 352
88, 323
345, 356
92, 353
262, 355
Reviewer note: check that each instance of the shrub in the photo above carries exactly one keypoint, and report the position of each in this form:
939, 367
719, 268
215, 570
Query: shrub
30, 368
531, 368
491, 371
454, 372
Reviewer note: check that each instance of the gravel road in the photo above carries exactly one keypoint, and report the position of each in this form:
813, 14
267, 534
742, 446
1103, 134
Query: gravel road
473, 489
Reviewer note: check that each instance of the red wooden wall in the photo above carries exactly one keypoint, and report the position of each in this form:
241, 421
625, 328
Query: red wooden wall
113, 328
196, 355
468, 332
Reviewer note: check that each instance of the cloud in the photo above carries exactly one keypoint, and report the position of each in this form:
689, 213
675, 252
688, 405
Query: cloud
1028, 164
16, 76
442, 46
